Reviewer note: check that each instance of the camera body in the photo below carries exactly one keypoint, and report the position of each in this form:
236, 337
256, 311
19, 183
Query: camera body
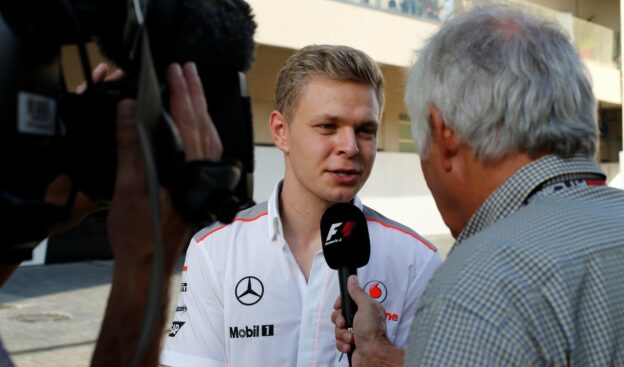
46, 130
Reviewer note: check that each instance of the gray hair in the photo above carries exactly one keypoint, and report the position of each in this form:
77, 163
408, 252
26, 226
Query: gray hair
505, 82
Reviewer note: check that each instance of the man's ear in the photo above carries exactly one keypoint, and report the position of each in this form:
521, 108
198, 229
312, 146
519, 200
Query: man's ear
279, 130
444, 137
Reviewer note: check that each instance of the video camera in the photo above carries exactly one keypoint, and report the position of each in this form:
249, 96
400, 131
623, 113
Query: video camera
46, 130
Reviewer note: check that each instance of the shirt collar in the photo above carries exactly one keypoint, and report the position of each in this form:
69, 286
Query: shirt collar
511, 195
275, 221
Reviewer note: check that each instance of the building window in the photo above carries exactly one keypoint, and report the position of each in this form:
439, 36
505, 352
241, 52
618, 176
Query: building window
406, 143
610, 134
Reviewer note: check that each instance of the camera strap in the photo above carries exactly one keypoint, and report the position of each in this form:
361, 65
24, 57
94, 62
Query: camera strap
148, 108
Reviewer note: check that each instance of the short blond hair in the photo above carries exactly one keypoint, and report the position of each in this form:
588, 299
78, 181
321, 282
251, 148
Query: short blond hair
327, 61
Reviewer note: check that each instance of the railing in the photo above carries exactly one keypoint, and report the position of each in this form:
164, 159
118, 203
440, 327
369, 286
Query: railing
423, 9
594, 42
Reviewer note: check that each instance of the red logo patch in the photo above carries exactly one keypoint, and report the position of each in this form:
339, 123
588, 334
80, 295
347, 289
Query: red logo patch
348, 228
377, 290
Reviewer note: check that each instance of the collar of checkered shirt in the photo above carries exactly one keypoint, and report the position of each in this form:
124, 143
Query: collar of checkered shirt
528, 180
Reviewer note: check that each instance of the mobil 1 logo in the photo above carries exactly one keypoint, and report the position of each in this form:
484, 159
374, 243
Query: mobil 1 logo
254, 331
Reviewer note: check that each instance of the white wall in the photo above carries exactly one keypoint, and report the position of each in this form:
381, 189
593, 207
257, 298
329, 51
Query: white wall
605, 82
388, 38
396, 188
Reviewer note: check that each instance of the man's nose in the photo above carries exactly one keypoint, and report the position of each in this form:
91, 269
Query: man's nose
347, 142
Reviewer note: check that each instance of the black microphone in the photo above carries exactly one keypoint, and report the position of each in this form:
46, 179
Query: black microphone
215, 34
346, 247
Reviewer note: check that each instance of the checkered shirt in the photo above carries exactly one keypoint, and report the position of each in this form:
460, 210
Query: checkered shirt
536, 278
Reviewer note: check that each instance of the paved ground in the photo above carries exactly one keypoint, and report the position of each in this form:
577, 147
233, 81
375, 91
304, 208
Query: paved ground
50, 315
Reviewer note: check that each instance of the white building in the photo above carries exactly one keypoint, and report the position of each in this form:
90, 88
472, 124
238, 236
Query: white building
390, 31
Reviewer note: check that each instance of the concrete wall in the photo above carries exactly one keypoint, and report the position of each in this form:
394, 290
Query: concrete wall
395, 89
605, 82
296, 23
603, 12
261, 81
396, 188
566, 6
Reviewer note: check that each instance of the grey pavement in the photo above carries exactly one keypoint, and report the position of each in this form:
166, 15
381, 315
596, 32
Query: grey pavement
50, 315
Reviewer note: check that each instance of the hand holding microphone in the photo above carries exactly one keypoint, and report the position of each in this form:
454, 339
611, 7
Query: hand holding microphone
346, 247
369, 333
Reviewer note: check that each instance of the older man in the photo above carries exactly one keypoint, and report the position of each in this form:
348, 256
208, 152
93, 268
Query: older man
505, 122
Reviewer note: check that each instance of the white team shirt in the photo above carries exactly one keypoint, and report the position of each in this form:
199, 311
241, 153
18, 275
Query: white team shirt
244, 300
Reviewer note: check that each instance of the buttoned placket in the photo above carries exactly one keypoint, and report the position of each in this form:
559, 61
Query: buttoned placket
313, 294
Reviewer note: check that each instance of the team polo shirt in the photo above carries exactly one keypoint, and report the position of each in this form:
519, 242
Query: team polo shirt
245, 302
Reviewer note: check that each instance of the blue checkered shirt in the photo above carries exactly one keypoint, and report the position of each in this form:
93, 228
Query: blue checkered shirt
536, 278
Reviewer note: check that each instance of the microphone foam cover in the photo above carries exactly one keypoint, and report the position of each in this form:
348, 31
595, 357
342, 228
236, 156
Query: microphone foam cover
344, 235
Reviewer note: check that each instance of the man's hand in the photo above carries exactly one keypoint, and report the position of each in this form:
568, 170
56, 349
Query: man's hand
129, 218
190, 113
59, 190
129, 225
373, 348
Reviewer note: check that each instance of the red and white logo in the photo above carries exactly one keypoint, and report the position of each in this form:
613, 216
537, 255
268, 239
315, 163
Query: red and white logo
348, 228
377, 290
346, 231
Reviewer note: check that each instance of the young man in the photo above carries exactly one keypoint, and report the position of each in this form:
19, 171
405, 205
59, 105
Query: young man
258, 292
504, 119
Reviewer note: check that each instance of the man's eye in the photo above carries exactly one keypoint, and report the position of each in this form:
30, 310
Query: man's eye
368, 131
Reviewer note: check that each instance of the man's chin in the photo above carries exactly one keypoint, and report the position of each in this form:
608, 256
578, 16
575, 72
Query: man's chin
342, 196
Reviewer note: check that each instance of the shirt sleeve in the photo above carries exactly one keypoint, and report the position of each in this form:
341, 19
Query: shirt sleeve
196, 337
446, 333
414, 293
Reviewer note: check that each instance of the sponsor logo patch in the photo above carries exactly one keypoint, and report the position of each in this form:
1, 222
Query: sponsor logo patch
183, 287
254, 331
249, 290
346, 231
175, 327
377, 290
181, 309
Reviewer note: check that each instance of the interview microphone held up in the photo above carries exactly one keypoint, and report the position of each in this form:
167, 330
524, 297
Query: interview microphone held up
346, 247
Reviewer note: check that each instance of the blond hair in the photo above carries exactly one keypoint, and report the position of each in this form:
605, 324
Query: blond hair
327, 61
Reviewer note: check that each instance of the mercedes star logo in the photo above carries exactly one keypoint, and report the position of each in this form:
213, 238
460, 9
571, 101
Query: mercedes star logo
249, 290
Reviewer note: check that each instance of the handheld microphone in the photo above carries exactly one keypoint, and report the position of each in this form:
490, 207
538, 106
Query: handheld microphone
346, 247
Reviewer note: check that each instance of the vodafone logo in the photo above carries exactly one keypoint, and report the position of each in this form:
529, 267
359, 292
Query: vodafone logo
377, 290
